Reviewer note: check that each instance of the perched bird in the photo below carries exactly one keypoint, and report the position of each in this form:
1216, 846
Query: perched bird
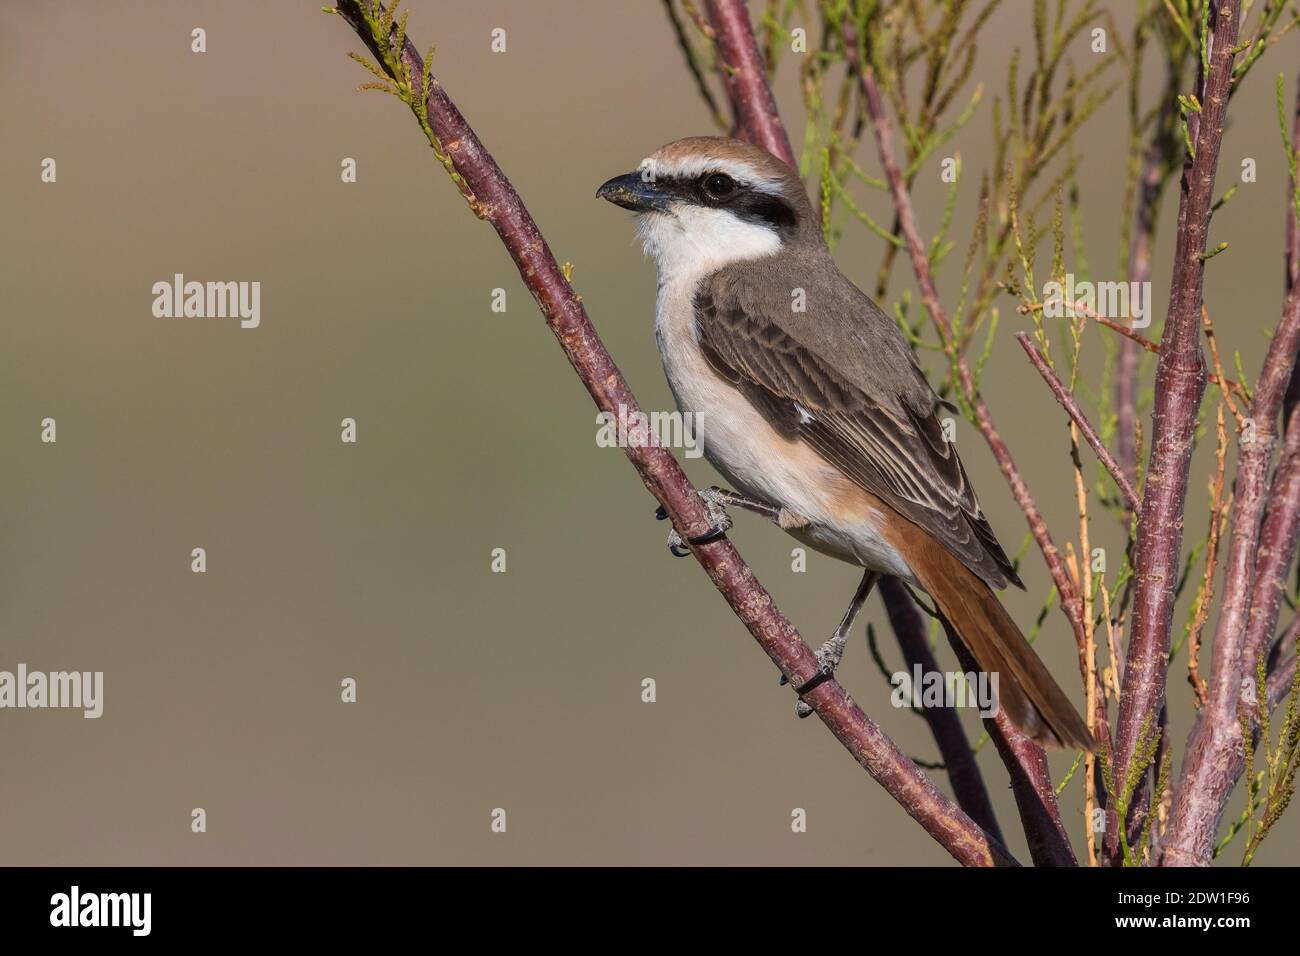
813, 407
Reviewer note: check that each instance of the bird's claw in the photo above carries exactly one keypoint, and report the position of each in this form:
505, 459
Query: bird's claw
679, 546
828, 660
676, 547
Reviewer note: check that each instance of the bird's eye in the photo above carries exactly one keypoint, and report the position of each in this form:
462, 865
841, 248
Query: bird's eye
719, 186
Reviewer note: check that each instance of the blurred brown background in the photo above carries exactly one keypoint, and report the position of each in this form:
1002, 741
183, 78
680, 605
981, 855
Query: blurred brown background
476, 690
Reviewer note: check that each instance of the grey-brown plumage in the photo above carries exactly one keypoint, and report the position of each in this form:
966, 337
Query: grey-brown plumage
866, 405
814, 402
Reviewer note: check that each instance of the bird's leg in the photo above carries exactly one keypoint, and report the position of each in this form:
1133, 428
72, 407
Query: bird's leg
729, 499
717, 500
830, 653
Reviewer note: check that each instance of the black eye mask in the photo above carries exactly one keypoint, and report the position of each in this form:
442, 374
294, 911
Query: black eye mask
748, 203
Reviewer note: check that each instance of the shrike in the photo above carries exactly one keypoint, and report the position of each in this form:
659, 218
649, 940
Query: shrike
814, 408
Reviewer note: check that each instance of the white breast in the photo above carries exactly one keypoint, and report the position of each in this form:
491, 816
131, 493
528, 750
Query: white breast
737, 440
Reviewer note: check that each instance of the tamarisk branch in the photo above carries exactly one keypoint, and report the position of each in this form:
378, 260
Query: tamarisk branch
744, 76
1180, 385
1076, 415
1265, 533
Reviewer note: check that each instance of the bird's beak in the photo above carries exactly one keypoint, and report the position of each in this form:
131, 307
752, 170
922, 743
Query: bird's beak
631, 191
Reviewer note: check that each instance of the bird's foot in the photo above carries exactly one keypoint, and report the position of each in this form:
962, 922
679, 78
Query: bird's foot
831, 653
715, 501
829, 656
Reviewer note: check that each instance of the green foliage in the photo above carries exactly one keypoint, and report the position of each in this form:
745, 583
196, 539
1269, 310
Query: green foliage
1281, 762
394, 75
1078, 762
1292, 157
1121, 797
1266, 33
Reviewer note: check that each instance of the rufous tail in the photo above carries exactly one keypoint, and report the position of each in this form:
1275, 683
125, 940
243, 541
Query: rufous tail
1027, 693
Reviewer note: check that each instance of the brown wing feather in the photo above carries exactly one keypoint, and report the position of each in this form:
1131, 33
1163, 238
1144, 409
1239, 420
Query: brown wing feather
873, 416
880, 441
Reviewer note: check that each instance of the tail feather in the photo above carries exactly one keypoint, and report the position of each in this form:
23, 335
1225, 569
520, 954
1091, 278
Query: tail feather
1027, 693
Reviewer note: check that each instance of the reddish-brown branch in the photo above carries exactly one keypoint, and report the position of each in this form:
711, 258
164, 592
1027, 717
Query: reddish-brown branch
1278, 540
1031, 780
954, 749
744, 75
664, 478
1254, 581
1180, 385
1292, 255
1137, 338
1221, 381
1293, 228
1076, 415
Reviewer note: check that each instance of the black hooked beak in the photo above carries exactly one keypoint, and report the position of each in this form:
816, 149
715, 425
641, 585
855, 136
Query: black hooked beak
631, 191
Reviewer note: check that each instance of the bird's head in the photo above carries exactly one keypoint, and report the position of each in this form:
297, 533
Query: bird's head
708, 201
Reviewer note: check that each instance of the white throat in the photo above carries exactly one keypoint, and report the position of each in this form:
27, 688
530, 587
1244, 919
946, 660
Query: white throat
692, 241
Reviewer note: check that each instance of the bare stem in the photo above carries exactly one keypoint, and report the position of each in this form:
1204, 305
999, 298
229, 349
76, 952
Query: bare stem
1258, 558
1180, 385
1076, 415
1031, 780
744, 74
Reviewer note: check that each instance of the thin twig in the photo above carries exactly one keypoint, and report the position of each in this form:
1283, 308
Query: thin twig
1205, 593
693, 64
1076, 415
1213, 344
1292, 224
1150, 186
1292, 251
1280, 680
1031, 779
1096, 707
1081, 308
